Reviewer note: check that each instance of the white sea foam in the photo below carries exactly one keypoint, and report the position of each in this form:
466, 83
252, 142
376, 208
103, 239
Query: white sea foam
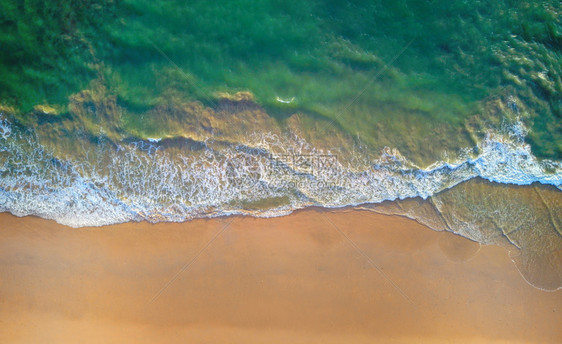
143, 181
5, 129
285, 101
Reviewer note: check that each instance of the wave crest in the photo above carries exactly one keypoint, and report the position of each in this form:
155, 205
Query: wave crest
268, 175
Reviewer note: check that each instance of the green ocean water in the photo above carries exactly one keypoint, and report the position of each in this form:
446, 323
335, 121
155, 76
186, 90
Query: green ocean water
405, 74
137, 110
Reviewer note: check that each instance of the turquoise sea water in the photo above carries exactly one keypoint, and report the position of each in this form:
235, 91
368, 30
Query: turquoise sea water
114, 111
321, 54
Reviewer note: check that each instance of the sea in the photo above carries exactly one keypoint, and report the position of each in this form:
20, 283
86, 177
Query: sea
448, 112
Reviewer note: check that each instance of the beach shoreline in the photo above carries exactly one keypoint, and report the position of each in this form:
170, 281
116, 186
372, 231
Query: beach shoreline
313, 276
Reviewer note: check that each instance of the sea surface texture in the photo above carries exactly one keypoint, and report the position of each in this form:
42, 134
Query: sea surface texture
448, 112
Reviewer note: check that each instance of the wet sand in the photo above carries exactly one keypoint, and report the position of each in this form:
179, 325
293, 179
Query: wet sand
311, 277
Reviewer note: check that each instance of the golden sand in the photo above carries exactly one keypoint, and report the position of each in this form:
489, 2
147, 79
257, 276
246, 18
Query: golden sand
311, 277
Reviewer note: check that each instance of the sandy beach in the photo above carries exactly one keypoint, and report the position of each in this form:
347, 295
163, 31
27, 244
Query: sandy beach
311, 277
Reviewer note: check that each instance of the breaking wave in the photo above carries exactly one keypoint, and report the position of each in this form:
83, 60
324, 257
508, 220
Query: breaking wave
269, 175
